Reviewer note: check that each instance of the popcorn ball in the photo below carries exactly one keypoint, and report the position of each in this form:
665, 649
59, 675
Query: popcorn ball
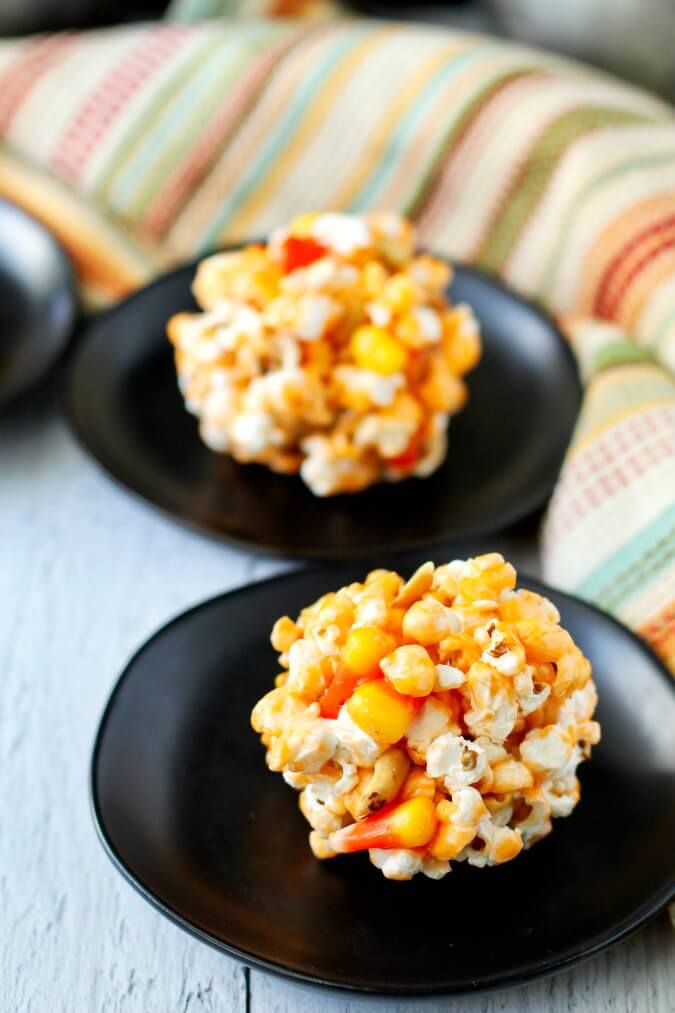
432, 720
332, 351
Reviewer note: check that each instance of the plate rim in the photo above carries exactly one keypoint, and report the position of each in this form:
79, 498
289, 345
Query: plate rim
17, 396
526, 505
644, 914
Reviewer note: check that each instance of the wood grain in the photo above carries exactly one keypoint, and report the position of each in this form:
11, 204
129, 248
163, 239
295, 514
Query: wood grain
86, 574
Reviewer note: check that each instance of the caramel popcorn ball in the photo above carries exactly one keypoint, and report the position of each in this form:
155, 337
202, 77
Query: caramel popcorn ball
331, 352
432, 720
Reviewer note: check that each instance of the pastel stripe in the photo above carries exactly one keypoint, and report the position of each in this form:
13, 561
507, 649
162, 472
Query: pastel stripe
505, 129
304, 98
102, 256
621, 167
620, 575
465, 116
649, 601
659, 631
423, 155
527, 191
209, 76
330, 126
627, 264
122, 148
189, 229
611, 214
197, 159
577, 543
31, 60
103, 105
337, 74
616, 397
402, 124
610, 463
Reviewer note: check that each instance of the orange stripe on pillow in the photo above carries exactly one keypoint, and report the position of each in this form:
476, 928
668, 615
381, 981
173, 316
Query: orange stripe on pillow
101, 256
632, 221
629, 261
659, 632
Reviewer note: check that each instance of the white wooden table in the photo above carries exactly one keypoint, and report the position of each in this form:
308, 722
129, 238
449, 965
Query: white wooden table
86, 574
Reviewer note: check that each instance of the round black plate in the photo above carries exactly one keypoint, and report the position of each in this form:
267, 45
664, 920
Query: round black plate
37, 302
191, 816
505, 452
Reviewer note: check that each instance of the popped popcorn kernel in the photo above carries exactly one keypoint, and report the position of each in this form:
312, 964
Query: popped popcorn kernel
330, 352
431, 720
410, 670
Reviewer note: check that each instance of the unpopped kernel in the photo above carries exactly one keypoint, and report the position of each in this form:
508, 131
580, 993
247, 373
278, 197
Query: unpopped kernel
331, 352
434, 720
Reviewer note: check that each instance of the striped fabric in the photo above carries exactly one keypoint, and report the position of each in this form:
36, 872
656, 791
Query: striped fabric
143, 146
610, 529
199, 10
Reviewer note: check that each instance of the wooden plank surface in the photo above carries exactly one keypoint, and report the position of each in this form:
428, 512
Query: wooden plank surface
86, 574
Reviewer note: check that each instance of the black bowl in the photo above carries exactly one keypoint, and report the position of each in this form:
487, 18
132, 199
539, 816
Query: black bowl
38, 304
504, 456
189, 813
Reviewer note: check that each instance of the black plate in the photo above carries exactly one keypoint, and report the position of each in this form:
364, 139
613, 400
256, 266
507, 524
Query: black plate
191, 816
505, 452
37, 303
